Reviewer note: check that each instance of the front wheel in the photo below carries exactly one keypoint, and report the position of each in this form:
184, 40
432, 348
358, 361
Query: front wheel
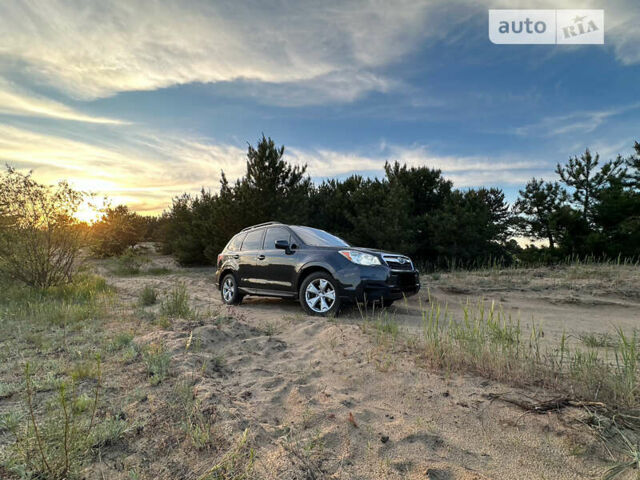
319, 295
229, 290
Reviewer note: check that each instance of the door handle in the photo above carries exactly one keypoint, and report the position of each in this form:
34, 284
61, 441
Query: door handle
236, 256
260, 257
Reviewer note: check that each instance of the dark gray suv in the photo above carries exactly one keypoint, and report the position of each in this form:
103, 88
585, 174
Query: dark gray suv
320, 269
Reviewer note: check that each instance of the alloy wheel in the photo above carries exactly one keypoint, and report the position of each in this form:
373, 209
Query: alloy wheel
228, 289
320, 295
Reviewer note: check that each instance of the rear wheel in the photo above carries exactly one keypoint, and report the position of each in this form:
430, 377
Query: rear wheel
319, 295
229, 290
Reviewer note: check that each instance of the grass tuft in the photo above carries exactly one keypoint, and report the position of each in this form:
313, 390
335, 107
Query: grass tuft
176, 305
148, 296
129, 263
157, 361
236, 464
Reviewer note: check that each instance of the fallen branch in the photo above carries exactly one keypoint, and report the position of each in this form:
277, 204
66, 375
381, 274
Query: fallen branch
546, 406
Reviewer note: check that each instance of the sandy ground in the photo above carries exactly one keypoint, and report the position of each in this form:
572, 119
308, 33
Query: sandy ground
322, 399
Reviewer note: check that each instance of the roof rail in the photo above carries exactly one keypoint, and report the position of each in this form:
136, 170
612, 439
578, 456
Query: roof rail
261, 225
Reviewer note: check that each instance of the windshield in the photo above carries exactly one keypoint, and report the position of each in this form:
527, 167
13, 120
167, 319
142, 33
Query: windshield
318, 238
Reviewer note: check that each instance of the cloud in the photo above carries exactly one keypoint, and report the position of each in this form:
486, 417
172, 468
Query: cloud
98, 49
17, 101
143, 170
575, 122
463, 171
291, 52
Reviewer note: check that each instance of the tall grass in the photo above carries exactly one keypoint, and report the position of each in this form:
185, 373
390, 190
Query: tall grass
148, 296
31, 312
604, 376
453, 264
489, 342
85, 297
486, 340
176, 305
157, 360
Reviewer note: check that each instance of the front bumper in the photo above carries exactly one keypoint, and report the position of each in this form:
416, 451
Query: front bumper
380, 283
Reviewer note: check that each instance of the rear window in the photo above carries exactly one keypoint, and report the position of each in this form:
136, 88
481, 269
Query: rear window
273, 234
235, 243
318, 238
253, 240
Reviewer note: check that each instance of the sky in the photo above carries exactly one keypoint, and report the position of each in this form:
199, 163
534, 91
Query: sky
145, 100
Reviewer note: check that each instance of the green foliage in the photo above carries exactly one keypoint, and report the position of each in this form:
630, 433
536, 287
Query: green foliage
62, 306
176, 305
598, 215
199, 426
120, 341
198, 227
587, 180
471, 228
157, 361
487, 341
54, 443
56, 418
592, 210
40, 238
129, 263
148, 296
413, 210
119, 229
236, 464
539, 204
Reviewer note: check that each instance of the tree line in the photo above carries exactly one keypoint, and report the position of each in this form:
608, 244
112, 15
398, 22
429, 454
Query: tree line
592, 209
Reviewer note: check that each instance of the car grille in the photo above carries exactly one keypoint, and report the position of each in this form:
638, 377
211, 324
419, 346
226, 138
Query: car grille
398, 262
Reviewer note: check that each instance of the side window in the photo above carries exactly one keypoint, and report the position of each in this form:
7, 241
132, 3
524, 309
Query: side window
273, 234
253, 240
236, 242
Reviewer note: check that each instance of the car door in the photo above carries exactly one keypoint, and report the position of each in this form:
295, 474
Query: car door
275, 268
251, 248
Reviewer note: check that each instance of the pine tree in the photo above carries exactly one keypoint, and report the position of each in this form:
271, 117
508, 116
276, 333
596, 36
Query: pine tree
539, 203
587, 180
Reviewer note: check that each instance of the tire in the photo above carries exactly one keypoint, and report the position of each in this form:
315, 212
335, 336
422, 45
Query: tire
387, 303
229, 290
319, 295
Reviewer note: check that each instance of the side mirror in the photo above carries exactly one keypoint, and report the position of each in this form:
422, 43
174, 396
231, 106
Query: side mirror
283, 245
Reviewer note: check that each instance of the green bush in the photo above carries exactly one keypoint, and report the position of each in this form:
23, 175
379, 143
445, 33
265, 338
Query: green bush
40, 238
118, 230
148, 296
129, 263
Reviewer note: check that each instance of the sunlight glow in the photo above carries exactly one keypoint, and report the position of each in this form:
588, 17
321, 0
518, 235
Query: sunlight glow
90, 210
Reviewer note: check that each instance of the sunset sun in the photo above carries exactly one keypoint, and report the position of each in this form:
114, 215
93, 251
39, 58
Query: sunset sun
89, 211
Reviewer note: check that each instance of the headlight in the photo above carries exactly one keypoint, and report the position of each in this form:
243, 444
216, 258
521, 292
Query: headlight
360, 258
